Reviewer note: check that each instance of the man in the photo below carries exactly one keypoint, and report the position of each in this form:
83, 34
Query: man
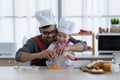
35, 50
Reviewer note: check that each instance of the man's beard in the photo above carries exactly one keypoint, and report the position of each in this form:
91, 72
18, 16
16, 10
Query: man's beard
50, 39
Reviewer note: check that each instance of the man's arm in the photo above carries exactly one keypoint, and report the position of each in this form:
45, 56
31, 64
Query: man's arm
79, 46
30, 51
24, 56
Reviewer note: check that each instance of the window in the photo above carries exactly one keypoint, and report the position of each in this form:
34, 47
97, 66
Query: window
17, 21
90, 14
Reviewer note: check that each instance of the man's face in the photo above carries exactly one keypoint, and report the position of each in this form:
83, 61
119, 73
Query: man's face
49, 34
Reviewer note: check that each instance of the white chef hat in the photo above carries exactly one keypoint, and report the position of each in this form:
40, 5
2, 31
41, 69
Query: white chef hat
45, 17
66, 26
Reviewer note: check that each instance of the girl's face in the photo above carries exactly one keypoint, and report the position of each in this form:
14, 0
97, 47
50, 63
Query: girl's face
62, 37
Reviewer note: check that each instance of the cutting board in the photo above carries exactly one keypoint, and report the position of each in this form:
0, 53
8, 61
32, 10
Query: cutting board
84, 69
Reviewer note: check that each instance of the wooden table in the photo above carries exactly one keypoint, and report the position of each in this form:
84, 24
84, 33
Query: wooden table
9, 73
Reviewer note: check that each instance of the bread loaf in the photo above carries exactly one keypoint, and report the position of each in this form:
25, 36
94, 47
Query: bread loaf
94, 64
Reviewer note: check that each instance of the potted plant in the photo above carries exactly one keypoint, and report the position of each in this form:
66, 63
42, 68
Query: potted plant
115, 22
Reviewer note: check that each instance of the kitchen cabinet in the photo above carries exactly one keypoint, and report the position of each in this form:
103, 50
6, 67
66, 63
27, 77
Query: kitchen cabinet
92, 37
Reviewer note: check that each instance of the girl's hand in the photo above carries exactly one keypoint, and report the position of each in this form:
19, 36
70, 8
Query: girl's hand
61, 50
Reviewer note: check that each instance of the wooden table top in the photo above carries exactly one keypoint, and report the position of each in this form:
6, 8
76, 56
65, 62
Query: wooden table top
29, 73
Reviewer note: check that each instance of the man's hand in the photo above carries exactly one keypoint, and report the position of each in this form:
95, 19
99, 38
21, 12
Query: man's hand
46, 54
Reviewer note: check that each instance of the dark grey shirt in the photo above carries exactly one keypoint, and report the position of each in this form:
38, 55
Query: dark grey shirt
32, 47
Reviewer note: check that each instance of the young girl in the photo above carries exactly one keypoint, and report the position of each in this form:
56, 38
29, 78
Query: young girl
65, 29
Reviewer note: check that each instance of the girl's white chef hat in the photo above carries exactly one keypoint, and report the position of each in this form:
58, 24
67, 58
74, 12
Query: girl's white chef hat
45, 17
66, 26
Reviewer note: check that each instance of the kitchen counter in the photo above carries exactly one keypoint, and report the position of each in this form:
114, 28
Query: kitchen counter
96, 57
7, 57
82, 60
80, 57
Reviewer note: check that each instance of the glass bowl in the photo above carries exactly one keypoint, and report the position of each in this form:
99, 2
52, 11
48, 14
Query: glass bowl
53, 64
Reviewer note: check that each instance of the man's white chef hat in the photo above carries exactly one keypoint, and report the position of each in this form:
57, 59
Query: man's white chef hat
45, 17
66, 26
